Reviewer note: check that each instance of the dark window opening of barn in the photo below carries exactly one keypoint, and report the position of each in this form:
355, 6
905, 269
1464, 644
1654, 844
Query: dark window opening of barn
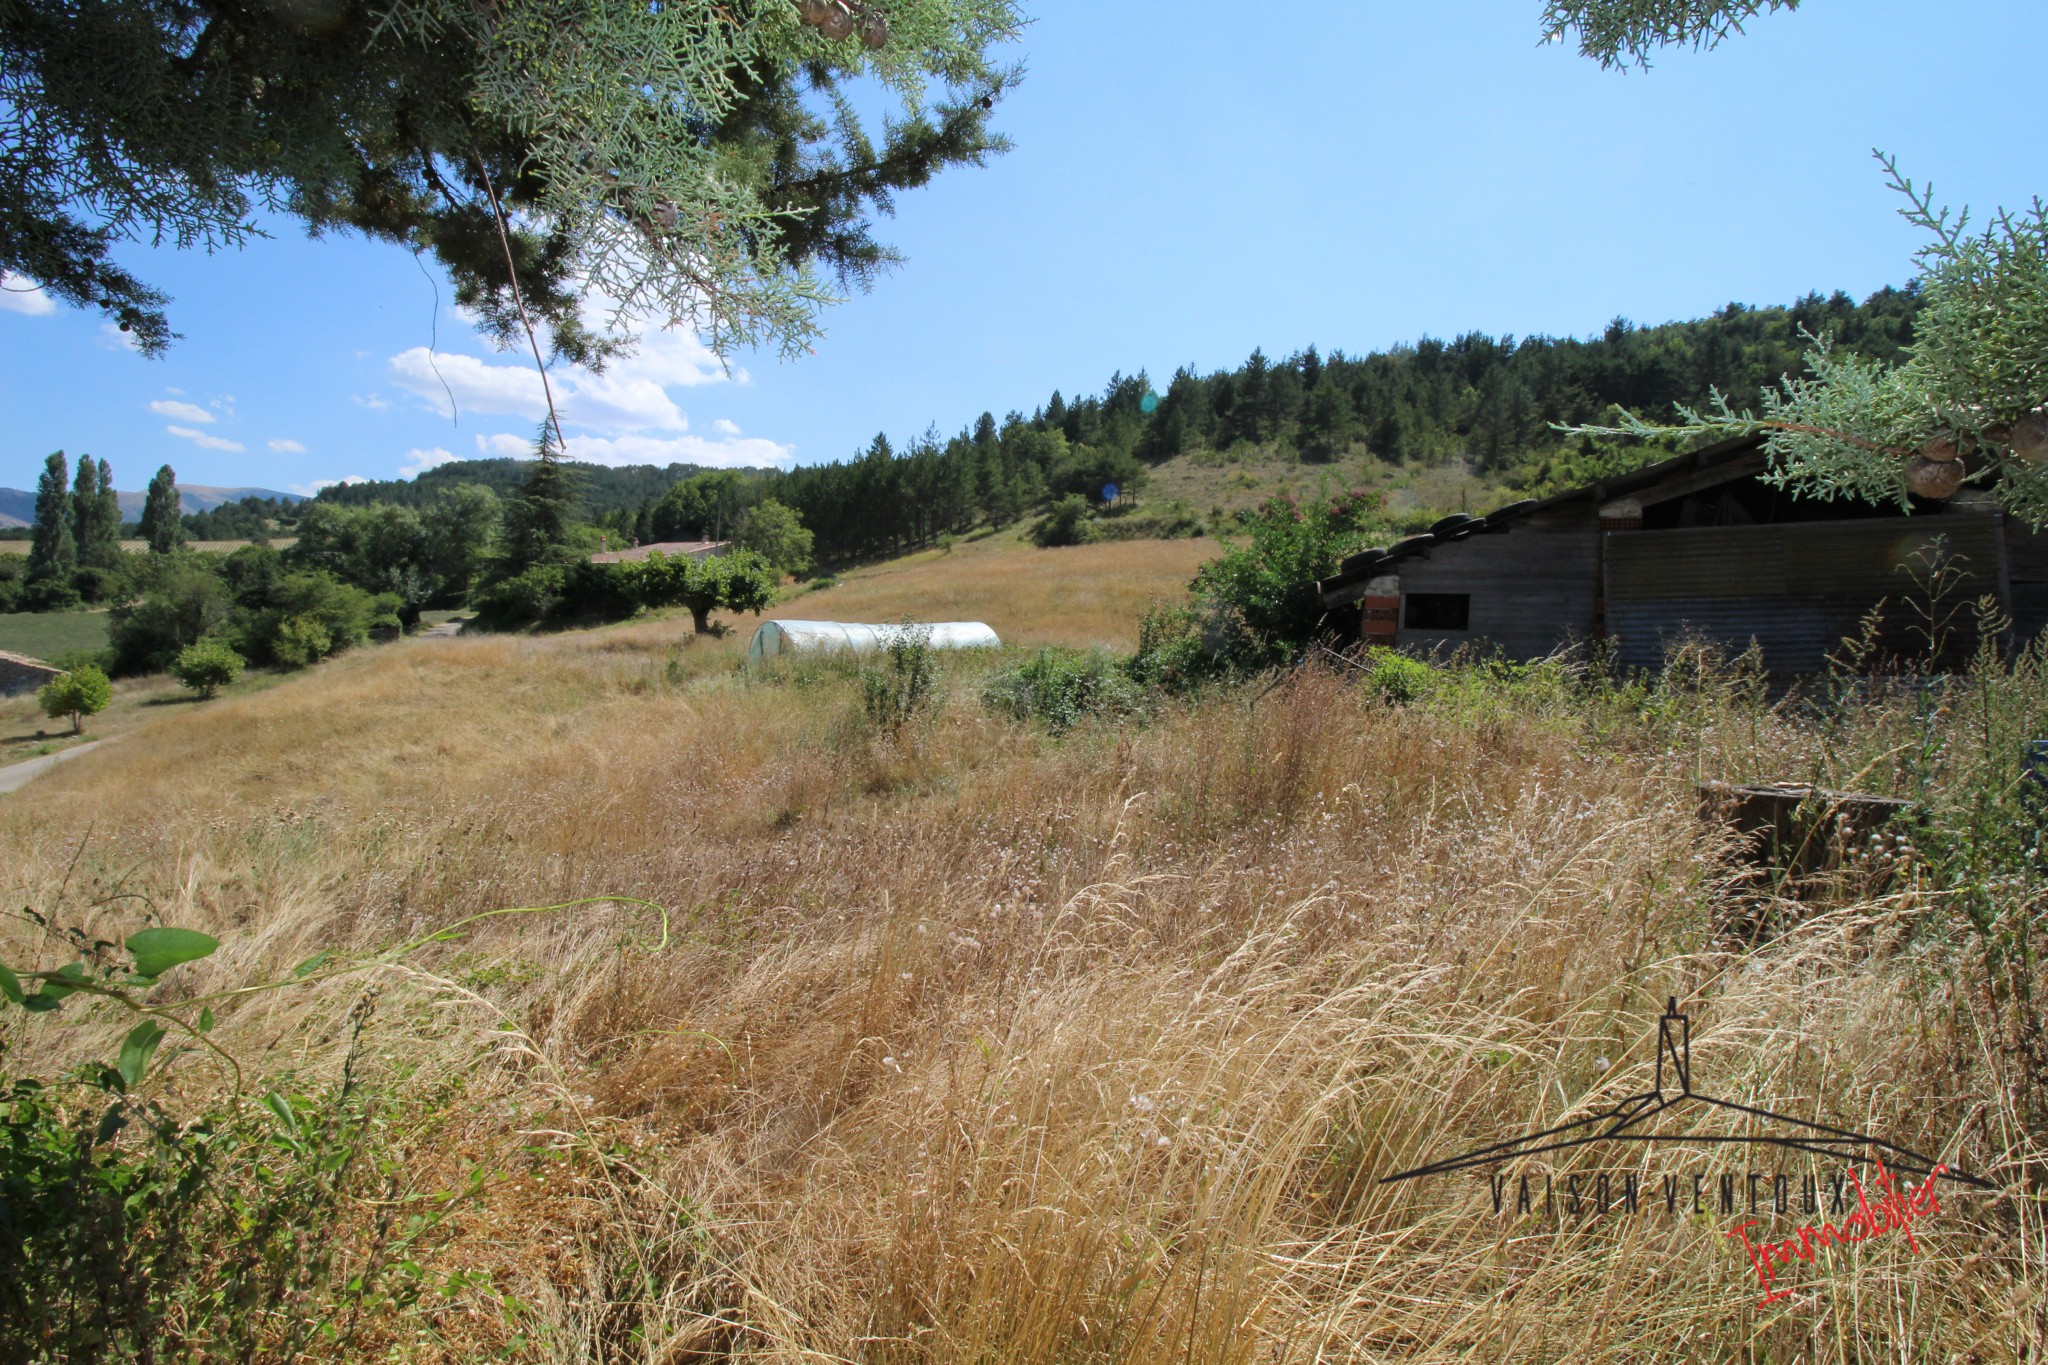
1439, 611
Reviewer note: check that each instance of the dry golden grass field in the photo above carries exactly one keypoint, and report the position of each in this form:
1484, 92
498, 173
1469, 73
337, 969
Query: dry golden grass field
972, 1043
1077, 595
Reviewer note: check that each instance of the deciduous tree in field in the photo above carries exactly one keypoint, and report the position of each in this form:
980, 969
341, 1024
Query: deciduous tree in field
207, 667
82, 692
741, 581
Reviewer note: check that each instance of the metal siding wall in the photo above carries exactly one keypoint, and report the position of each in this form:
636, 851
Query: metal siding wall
1532, 588
1797, 588
2027, 565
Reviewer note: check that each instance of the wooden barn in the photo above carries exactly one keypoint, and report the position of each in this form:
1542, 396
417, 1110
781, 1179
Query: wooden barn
1697, 545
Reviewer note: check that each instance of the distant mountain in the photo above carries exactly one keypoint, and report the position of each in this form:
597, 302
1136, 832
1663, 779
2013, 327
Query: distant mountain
18, 508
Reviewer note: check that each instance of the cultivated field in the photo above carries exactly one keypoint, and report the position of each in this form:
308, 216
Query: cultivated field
969, 1043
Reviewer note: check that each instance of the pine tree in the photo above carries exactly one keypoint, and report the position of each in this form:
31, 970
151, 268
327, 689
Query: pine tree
537, 517
163, 523
53, 550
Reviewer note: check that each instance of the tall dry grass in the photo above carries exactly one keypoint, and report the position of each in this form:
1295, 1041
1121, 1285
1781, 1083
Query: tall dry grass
971, 1044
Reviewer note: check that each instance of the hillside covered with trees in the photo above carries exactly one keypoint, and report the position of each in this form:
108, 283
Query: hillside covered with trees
1492, 401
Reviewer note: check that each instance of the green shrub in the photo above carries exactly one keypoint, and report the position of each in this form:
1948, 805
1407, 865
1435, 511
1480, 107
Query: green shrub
1069, 521
13, 582
1175, 521
905, 684
307, 616
1058, 688
49, 594
1270, 581
299, 641
79, 693
520, 600
183, 601
1182, 648
207, 666
1396, 676
94, 584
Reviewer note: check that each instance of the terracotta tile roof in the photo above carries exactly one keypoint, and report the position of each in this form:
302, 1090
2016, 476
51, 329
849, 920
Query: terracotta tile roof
696, 549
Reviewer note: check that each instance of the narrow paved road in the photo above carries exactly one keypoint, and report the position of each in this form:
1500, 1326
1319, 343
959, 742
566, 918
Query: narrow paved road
15, 776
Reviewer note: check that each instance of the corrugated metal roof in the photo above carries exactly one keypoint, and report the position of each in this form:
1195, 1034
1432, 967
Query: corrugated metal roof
1341, 588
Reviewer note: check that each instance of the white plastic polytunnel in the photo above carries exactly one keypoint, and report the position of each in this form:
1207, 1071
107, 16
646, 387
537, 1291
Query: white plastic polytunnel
772, 638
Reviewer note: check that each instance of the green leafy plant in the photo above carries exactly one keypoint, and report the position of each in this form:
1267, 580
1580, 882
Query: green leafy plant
1396, 677
129, 1234
82, 692
1069, 521
207, 667
905, 685
1059, 688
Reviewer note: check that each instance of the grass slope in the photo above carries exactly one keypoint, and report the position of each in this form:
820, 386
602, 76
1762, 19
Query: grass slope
49, 634
969, 1044
1076, 595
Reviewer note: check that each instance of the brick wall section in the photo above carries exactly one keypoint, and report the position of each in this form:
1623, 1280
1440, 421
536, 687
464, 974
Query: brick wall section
19, 673
1382, 620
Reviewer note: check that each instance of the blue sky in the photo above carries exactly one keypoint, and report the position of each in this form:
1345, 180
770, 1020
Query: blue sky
1190, 181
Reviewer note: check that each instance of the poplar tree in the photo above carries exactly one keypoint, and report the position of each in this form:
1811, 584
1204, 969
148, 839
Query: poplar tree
53, 550
96, 515
162, 514
110, 513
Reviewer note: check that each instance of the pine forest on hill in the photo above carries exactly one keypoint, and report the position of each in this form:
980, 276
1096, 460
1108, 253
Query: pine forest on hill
1485, 406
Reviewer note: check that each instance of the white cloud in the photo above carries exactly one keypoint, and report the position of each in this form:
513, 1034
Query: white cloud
661, 450
184, 412
504, 446
18, 295
418, 461
307, 490
114, 339
204, 441
174, 392
619, 400
630, 395
285, 447
374, 402
726, 428
225, 404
